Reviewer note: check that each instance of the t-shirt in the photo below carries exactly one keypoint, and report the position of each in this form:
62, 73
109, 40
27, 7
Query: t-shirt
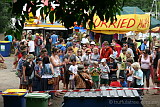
139, 73
85, 58
94, 57
124, 84
143, 46
54, 38
104, 74
38, 69
20, 64
9, 38
73, 69
112, 65
31, 46
95, 74
115, 84
29, 68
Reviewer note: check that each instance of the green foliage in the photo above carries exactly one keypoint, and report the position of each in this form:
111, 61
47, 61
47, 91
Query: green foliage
4, 16
69, 11
145, 5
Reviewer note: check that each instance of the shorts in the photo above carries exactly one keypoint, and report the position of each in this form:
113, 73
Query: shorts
104, 81
28, 82
146, 72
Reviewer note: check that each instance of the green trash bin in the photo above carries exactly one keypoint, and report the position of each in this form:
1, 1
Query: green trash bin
37, 99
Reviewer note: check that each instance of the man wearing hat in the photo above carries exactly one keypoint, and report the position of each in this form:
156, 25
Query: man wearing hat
106, 51
93, 45
122, 81
81, 78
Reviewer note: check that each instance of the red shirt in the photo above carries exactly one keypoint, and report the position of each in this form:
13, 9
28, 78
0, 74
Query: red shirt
118, 49
106, 52
115, 84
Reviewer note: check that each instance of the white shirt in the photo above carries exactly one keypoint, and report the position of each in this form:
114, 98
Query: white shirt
31, 46
73, 69
105, 69
86, 58
85, 40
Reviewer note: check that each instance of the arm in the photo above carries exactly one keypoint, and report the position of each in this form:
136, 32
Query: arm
36, 74
54, 64
158, 68
139, 60
24, 75
151, 61
52, 68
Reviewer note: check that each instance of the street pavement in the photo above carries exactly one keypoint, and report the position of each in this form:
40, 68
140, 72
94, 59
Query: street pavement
8, 80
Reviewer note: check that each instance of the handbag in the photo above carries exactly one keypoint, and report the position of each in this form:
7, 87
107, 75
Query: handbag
51, 81
88, 83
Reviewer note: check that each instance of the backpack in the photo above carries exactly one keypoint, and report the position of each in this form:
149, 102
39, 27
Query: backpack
39, 42
6, 38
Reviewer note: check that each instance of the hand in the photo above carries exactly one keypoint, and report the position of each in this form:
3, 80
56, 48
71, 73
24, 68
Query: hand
25, 80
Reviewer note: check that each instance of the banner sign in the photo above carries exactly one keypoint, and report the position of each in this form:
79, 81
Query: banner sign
131, 22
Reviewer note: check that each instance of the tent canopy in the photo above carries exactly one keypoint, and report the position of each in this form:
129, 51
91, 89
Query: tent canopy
135, 10
129, 15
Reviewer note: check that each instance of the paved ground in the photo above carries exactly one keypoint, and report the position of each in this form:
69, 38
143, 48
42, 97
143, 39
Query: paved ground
8, 80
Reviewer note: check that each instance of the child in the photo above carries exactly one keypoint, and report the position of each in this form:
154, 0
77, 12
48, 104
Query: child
123, 59
114, 82
122, 81
73, 71
129, 70
95, 72
104, 75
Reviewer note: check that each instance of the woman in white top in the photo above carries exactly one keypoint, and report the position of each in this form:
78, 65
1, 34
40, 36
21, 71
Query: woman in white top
55, 61
146, 61
31, 46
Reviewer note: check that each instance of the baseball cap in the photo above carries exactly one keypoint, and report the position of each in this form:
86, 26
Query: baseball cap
103, 60
92, 43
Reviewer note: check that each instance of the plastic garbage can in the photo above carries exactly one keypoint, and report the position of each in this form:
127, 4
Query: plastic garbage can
37, 99
16, 99
5, 48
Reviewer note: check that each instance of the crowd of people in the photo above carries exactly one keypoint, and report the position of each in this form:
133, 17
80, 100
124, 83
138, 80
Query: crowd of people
80, 63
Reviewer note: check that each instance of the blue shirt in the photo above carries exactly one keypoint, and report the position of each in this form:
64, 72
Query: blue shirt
139, 73
20, 64
54, 39
61, 47
9, 38
143, 47
69, 44
124, 84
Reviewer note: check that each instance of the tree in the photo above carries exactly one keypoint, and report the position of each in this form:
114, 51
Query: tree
68, 11
145, 5
5, 16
